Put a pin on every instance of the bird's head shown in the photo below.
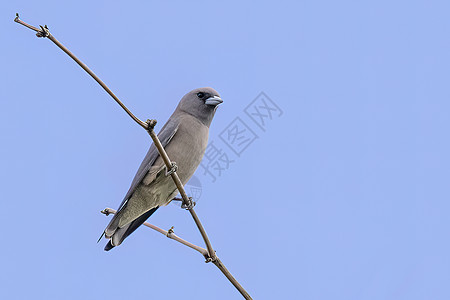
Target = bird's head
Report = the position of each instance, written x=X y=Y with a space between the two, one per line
x=201 y=103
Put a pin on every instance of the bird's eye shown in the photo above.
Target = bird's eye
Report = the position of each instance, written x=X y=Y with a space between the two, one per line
x=200 y=95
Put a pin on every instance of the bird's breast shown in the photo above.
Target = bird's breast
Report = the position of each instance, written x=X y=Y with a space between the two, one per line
x=188 y=146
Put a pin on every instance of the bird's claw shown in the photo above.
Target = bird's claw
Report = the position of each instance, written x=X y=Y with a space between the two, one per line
x=173 y=169
x=189 y=205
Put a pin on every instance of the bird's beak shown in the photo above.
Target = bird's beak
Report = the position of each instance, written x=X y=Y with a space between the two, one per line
x=214 y=101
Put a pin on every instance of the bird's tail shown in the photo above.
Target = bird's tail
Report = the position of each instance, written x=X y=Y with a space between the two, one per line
x=120 y=234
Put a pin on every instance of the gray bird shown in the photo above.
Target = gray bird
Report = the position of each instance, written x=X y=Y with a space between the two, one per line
x=184 y=137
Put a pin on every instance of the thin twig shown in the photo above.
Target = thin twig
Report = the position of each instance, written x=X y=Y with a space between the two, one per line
x=149 y=126
x=44 y=32
x=170 y=234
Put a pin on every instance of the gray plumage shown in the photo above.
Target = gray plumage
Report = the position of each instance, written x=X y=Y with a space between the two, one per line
x=184 y=137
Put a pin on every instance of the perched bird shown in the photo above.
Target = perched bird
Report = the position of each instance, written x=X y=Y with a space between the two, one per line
x=184 y=137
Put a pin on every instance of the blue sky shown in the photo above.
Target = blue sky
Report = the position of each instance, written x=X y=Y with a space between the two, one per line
x=342 y=194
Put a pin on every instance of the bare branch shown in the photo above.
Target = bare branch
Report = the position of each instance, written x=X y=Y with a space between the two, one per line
x=149 y=126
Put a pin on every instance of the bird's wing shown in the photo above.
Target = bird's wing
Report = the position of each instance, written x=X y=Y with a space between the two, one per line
x=165 y=136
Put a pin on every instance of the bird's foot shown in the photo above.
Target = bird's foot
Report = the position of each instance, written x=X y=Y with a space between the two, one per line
x=189 y=205
x=173 y=169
